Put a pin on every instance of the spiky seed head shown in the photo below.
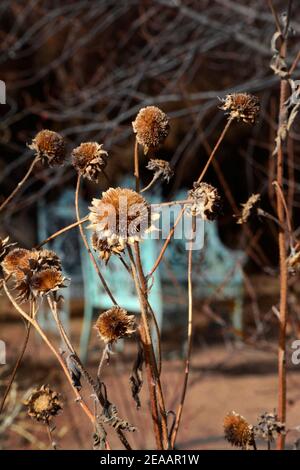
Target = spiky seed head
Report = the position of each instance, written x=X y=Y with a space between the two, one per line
x=205 y=201
x=43 y=404
x=237 y=430
x=241 y=106
x=249 y=208
x=114 y=324
x=161 y=169
x=104 y=249
x=49 y=147
x=151 y=127
x=16 y=261
x=89 y=159
x=121 y=216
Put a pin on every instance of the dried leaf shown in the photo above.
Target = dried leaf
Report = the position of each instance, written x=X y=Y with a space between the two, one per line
x=136 y=378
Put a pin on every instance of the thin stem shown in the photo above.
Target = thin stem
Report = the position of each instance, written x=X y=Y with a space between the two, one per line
x=287 y=215
x=146 y=341
x=154 y=179
x=84 y=239
x=34 y=323
x=136 y=166
x=101 y=363
x=17 y=364
x=49 y=433
x=20 y=184
x=215 y=149
x=284 y=87
x=189 y=343
x=62 y=230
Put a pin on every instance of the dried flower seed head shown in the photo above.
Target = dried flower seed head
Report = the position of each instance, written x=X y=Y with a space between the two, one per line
x=49 y=147
x=104 y=249
x=43 y=404
x=237 y=431
x=44 y=259
x=114 y=324
x=293 y=261
x=241 y=106
x=38 y=284
x=249 y=208
x=121 y=216
x=205 y=201
x=151 y=127
x=161 y=168
x=269 y=427
x=16 y=261
x=89 y=159
x=5 y=246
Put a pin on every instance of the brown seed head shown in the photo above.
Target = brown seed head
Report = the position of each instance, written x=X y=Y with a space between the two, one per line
x=114 y=324
x=104 y=249
x=49 y=147
x=121 y=215
x=43 y=404
x=16 y=261
x=205 y=200
x=151 y=127
x=161 y=169
x=237 y=431
x=269 y=427
x=89 y=159
x=241 y=106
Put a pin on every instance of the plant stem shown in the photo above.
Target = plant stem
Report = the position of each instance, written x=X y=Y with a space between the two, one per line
x=84 y=239
x=62 y=230
x=136 y=166
x=20 y=184
x=189 y=345
x=215 y=149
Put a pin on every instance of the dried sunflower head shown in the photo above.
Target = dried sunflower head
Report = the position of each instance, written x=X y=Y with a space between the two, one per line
x=121 y=216
x=205 y=201
x=5 y=246
x=104 y=249
x=241 y=106
x=114 y=324
x=89 y=159
x=40 y=283
x=151 y=127
x=43 y=404
x=44 y=259
x=49 y=147
x=237 y=430
x=16 y=261
x=249 y=208
x=161 y=169
x=268 y=427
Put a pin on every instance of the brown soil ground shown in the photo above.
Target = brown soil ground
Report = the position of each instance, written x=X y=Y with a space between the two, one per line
x=223 y=378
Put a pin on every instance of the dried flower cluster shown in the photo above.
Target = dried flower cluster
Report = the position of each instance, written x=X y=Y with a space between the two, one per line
x=105 y=249
x=205 y=201
x=43 y=404
x=114 y=324
x=269 y=427
x=151 y=127
x=49 y=147
x=238 y=431
x=121 y=216
x=36 y=272
x=241 y=106
x=161 y=169
x=249 y=208
x=89 y=159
